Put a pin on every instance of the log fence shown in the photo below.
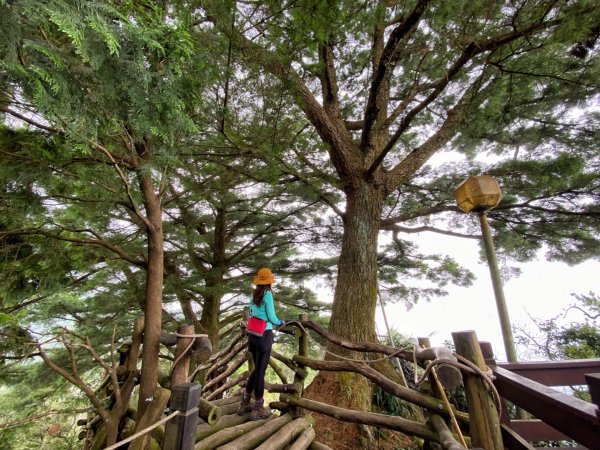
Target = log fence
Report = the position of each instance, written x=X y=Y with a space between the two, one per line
x=204 y=417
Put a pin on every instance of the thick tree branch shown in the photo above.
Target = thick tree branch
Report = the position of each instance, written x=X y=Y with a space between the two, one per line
x=328 y=78
x=343 y=151
x=95 y=242
x=389 y=222
x=376 y=111
x=468 y=53
x=28 y=120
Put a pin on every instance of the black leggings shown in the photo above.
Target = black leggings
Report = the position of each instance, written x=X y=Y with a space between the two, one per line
x=260 y=347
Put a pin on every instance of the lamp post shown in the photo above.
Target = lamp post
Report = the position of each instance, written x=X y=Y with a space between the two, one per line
x=480 y=194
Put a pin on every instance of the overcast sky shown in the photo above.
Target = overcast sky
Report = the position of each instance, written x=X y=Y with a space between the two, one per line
x=543 y=290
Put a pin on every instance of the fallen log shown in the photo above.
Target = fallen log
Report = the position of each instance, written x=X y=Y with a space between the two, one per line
x=204 y=430
x=304 y=440
x=285 y=435
x=366 y=418
x=255 y=437
x=410 y=395
x=229 y=434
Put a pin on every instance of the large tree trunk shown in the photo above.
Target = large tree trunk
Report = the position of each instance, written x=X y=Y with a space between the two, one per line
x=353 y=313
x=154 y=288
x=355 y=300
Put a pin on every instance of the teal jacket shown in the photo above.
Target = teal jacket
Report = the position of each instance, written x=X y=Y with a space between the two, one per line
x=266 y=311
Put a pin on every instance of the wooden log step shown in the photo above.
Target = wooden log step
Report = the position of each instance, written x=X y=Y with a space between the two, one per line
x=230 y=408
x=227 y=435
x=285 y=435
x=304 y=440
x=227 y=400
x=204 y=430
x=314 y=445
x=254 y=438
x=209 y=412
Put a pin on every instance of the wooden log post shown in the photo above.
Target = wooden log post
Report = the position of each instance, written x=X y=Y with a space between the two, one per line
x=593 y=382
x=180 y=432
x=490 y=360
x=300 y=376
x=449 y=375
x=151 y=415
x=484 y=422
x=181 y=366
x=208 y=411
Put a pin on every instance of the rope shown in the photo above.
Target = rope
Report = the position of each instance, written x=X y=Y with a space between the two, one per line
x=487 y=378
x=142 y=432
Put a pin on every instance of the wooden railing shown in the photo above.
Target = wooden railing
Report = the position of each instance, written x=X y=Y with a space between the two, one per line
x=556 y=416
x=485 y=424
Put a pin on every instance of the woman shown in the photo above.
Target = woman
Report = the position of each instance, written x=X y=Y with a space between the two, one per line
x=261 y=306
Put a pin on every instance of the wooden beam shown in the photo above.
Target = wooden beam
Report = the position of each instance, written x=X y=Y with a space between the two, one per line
x=555 y=373
x=573 y=417
x=366 y=418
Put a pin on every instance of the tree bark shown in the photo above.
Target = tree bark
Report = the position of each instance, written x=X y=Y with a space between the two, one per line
x=154 y=287
x=355 y=298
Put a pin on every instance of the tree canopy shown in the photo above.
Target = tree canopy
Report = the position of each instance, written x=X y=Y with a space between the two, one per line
x=154 y=155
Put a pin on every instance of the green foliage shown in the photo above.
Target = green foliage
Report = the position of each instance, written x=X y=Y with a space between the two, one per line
x=573 y=340
x=97 y=95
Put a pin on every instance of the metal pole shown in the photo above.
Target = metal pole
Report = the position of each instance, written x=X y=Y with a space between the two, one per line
x=507 y=336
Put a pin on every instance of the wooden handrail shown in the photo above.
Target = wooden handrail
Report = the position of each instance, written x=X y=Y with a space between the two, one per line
x=569 y=415
x=570 y=372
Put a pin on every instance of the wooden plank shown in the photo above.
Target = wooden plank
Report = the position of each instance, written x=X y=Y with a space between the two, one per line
x=593 y=382
x=555 y=373
x=536 y=430
x=513 y=441
x=571 y=416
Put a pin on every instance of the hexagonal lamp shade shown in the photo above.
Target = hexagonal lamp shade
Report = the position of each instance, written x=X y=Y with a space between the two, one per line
x=478 y=193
